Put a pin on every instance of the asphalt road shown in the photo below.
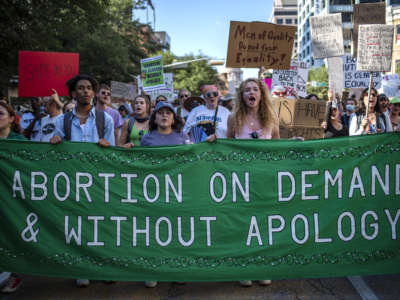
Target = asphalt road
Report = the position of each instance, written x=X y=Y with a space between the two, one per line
x=368 y=288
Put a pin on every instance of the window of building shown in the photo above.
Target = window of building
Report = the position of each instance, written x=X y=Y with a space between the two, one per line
x=369 y=1
x=279 y=21
x=288 y=21
x=304 y=53
x=323 y=4
x=308 y=36
x=295 y=21
x=346 y=2
x=312 y=3
x=346 y=17
x=285 y=13
x=392 y=2
x=307 y=9
x=308 y=50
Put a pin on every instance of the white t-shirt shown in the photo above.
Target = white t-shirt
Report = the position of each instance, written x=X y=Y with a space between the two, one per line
x=202 y=116
x=26 y=120
x=47 y=128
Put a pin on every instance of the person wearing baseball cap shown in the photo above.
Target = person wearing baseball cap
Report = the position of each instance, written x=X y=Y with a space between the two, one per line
x=165 y=127
x=394 y=113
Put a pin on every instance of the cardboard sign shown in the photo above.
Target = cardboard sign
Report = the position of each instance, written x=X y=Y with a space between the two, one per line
x=123 y=90
x=355 y=79
x=39 y=72
x=335 y=73
x=367 y=13
x=300 y=117
x=294 y=80
x=152 y=68
x=259 y=44
x=375 y=44
x=327 y=36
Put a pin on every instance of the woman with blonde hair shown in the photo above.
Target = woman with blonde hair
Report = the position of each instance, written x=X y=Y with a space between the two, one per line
x=254 y=116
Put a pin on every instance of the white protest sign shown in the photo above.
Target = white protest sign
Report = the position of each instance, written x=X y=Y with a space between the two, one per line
x=335 y=72
x=375 y=44
x=293 y=80
x=391 y=85
x=357 y=79
x=327 y=36
x=167 y=90
x=123 y=90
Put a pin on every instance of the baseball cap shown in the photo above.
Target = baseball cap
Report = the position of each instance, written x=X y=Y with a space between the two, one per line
x=395 y=100
x=163 y=104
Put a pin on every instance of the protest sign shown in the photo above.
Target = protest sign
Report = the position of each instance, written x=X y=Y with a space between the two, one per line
x=300 y=117
x=294 y=80
x=390 y=85
x=335 y=73
x=358 y=79
x=259 y=44
x=367 y=13
x=152 y=68
x=375 y=44
x=230 y=210
x=327 y=36
x=167 y=90
x=39 y=72
x=123 y=90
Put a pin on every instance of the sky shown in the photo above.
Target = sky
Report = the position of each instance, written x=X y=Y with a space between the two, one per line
x=203 y=26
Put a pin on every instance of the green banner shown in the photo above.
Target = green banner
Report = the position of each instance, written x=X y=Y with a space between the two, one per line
x=152 y=68
x=230 y=210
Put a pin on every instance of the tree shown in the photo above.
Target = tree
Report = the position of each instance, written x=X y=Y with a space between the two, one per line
x=101 y=31
x=319 y=75
x=194 y=75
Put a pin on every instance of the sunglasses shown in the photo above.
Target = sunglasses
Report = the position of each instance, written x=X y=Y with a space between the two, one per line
x=211 y=94
x=372 y=94
x=383 y=99
x=183 y=96
x=106 y=93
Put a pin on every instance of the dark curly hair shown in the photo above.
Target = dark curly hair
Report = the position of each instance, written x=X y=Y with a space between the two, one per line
x=176 y=126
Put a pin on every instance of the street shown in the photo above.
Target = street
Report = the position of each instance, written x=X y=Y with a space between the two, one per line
x=370 y=287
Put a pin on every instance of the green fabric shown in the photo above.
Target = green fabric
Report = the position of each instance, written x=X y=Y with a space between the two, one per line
x=254 y=230
x=135 y=135
x=16 y=136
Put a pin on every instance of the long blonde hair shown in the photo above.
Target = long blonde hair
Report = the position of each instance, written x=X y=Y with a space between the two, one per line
x=266 y=113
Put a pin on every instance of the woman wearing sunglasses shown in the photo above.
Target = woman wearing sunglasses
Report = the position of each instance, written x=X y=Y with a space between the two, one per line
x=254 y=116
x=376 y=122
x=137 y=126
x=211 y=117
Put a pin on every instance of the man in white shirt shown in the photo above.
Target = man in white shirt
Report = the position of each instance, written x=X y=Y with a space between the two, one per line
x=53 y=107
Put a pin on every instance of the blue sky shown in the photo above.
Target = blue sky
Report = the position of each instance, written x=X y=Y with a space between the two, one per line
x=203 y=25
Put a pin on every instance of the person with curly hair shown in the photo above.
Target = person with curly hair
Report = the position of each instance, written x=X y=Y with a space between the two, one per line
x=254 y=116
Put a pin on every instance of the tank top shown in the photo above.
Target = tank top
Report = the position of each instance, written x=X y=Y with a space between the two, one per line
x=246 y=133
x=136 y=135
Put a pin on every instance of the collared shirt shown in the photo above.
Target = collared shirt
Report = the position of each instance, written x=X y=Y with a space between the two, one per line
x=87 y=132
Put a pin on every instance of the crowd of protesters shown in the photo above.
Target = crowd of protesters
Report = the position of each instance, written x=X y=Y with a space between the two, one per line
x=89 y=117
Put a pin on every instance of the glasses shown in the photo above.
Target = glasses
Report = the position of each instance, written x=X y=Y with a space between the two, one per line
x=372 y=94
x=183 y=96
x=106 y=93
x=383 y=99
x=211 y=94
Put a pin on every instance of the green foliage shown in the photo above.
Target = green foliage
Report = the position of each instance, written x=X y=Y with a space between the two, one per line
x=318 y=75
x=194 y=75
x=101 y=31
x=398 y=69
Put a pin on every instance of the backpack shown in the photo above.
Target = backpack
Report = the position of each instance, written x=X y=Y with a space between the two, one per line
x=99 y=124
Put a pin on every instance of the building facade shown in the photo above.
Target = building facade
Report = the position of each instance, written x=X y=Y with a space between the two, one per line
x=284 y=12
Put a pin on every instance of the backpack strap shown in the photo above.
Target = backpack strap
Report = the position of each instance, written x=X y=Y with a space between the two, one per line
x=131 y=122
x=67 y=125
x=100 y=123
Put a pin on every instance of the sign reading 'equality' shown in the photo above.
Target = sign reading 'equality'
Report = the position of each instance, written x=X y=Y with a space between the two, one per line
x=228 y=211
x=259 y=44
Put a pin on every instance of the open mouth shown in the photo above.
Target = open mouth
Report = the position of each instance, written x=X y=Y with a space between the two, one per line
x=252 y=99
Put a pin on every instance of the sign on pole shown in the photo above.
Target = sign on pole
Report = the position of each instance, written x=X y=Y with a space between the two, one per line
x=367 y=13
x=327 y=36
x=357 y=79
x=294 y=80
x=375 y=44
x=259 y=44
x=167 y=90
x=152 y=68
x=39 y=72
x=123 y=90
x=335 y=72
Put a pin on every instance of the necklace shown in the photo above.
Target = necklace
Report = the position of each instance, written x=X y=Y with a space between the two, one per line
x=141 y=120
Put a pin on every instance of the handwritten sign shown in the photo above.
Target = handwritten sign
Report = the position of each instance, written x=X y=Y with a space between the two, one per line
x=167 y=90
x=259 y=44
x=375 y=44
x=152 y=68
x=335 y=72
x=39 y=72
x=367 y=13
x=123 y=90
x=327 y=36
x=357 y=79
x=391 y=85
x=300 y=117
x=294 y=79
